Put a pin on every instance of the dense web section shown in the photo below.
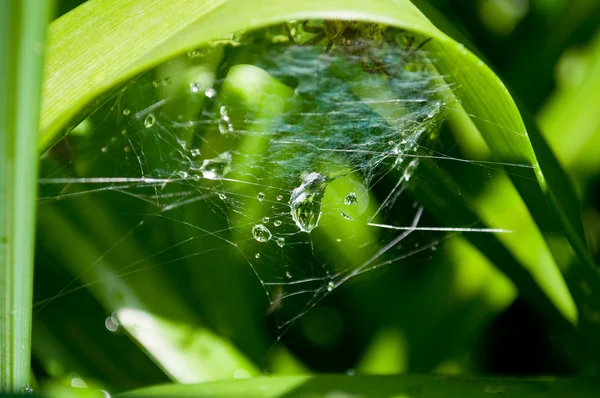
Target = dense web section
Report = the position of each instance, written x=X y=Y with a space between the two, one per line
x=296 y=146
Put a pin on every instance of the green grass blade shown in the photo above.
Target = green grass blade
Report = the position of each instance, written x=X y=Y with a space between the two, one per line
x=429 y=386
x=22 y=34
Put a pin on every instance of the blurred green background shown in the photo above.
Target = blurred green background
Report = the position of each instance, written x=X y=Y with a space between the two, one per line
x=454 y=314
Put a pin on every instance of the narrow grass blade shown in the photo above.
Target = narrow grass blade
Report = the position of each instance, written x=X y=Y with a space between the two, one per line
x=22 y=35
x=429 y=386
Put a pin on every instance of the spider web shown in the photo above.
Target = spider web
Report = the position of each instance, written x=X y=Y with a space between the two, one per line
x=298 y=158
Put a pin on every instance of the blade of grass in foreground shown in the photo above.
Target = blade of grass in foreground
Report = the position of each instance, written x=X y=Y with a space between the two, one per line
x=429 y=386
x=22 y=34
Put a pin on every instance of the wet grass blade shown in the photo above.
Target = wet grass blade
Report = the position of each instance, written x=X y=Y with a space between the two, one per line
x=22 y=35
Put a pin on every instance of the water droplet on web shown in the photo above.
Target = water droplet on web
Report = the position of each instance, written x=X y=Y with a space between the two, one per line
x=288 y=275
x=195 y=177
x=222 y=196
x=338 y=240
x=195 y=87
x=111 y=323
x=216 y=168
x=127 y=149
x=241 y=374
x=261 y=233
x=260 y=196
x=126 y=111
x=195 y=152
x=279 y=197
x=305 y=201
x=277 y=223
x=155 y=84
x=280 y=242
x=76 y=382
x=26 y=390
x=257 y=255
x=410 y=169
x=330 y=286
x=350 y=199
x=183 y=174
x=265 y=220
x=210 y=92
x=123 y=131
x=104 y=149
x=346 y=216
x=149 y=121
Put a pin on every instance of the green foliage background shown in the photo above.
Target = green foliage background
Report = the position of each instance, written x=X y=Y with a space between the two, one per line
x=457 y=314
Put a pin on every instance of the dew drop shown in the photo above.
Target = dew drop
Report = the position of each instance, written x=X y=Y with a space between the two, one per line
x=410 y=169
x=210 y=92
x=123 y=131
x=127 y=149
x=195 y=177
x=265 y=220
x=149 y=121
x=330 y=286
x=305 y=201
x=126 y=111
x=76 y=382
x=288 y=275
x=222 y=196
x=261 y=233
x=111 y=324
x=195 y=87
x=216 y=168
x=195 y=152
x=350 y=199
x=104 y=149
x=183 y=174
x=280 y=242
x=257 y=255
x=260 y=196
x=241 y=374
x=26 y=390
x=155 y=84
x=277 y=223
x=346 y=216
x=279 y=197
x=338 y=240
x=194 y=54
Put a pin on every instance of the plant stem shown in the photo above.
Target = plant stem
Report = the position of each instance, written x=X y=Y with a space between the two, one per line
x=22 y=36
